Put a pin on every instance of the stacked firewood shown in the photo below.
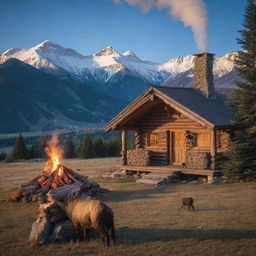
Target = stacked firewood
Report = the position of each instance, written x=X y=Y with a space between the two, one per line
x=198 y=160
x=140 y=157
x=37 y=188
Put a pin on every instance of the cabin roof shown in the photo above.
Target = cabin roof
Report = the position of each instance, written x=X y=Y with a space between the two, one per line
x=210 y=112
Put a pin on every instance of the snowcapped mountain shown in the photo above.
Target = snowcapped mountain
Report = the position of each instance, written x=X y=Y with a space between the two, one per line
x=56 y=87
x=118 y=74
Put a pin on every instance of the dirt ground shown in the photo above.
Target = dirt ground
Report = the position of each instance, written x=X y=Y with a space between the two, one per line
x=147 y=218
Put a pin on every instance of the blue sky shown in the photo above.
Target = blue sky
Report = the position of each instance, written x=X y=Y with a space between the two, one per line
x=90 y=25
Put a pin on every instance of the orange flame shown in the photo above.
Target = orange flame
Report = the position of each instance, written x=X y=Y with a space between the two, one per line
x=54 y=152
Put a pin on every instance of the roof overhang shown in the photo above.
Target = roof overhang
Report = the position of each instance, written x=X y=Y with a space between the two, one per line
x=151 y=94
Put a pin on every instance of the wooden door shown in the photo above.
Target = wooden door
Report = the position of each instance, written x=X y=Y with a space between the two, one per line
x=178 y=148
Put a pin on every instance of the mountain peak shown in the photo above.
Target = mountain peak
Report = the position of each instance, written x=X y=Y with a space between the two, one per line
x=107 y=51
x=129 y=53
x=46 y=43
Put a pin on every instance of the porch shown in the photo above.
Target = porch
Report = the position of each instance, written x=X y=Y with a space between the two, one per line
x=210 y=174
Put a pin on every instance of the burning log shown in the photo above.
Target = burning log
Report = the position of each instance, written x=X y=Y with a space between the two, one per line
x=55 y=178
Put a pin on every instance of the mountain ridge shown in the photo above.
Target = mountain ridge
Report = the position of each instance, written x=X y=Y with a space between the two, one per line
x=32 y=100
x=100 y=67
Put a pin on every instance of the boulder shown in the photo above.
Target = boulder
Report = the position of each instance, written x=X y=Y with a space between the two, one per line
x=63 y=231
x=40 y=231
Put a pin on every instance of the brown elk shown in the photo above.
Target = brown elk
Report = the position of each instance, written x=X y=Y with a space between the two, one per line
x=86 y=214
x=188 y=202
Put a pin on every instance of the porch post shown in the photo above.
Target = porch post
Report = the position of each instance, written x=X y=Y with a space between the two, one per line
x=213 y=149
x=124 y=147
x=139 y=139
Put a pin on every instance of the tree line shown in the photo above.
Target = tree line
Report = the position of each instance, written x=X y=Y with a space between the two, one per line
x=89 y=147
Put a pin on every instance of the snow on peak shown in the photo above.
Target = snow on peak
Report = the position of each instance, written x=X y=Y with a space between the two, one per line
x=179 y=64
x=49 y=46
x=46 y=45
x=129 y=53
x=108 y=51
x=102 y=65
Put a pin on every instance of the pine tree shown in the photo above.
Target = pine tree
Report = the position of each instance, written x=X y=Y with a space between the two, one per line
x=99 y=147
x=2 y=156
x=20 y=150
x=113 y=146
x=86 y=147
x=69 y=149
x=35 y=151
x=241 y=154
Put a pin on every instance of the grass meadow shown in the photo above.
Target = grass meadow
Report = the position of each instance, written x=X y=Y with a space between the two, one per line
x=147 y=218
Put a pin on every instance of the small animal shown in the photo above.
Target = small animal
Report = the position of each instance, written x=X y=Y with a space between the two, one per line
x=86 y=214
x=187 y=202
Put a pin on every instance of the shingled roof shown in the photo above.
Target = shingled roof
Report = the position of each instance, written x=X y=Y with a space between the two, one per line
x=214 y=110
x=211 y=112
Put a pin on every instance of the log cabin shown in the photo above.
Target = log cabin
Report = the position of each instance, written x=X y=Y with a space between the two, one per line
x=177 y=128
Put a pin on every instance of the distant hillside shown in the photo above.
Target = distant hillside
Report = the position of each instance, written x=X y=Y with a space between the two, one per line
x=32 y=100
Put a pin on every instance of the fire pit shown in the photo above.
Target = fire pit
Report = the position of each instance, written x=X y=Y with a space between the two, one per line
x=56 y=180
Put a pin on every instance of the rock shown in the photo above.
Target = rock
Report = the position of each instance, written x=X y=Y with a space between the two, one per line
x=63 y=231
x=203 y=179
x=116 y=175
x=106 y=176
x=149 y=181
x=40 y=230
x=125 y=172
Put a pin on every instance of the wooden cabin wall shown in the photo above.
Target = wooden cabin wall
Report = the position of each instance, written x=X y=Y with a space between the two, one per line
x=159 y=124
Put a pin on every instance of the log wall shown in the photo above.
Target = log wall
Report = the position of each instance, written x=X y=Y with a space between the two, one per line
x=156 y=127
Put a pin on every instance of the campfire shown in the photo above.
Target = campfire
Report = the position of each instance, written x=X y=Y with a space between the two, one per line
x=56 y=180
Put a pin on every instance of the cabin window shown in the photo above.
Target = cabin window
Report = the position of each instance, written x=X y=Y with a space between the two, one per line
x=204 y=140
x=153 y=139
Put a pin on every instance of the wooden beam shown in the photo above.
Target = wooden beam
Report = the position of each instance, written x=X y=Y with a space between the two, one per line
x=168 y=143
x=213 y=149
x=124 y=147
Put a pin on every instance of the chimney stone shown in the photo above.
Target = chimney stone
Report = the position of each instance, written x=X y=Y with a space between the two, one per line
x=203 y=75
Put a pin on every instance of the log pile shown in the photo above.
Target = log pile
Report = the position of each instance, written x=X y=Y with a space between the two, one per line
x=198 y=160
x=139 y=157
x=39 y=188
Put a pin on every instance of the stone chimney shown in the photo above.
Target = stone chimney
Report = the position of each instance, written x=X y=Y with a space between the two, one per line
x=203 y=75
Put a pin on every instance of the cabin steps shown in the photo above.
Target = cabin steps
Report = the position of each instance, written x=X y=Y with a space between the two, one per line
x=157 y=178
x=149 y=181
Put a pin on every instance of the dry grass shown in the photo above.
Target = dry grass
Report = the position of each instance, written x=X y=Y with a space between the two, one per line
x=148 y=221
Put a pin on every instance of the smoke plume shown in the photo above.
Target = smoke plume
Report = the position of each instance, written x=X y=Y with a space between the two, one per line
x=191 y=12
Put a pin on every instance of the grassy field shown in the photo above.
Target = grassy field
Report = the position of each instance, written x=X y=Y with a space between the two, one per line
x=147 y=218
